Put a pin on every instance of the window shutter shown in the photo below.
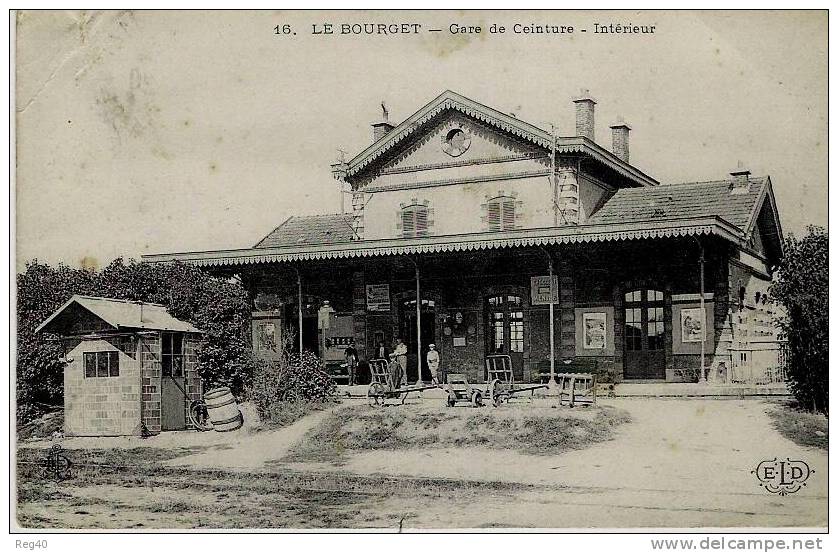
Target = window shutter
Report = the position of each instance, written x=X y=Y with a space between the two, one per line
x=421 y=221
x=508 y=219
x=408 y=222
x=493 y=215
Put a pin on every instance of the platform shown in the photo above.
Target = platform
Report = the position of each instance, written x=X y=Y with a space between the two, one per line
x=627 y=389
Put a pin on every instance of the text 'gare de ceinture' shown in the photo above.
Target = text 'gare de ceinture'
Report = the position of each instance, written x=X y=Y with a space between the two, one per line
x=395 y=29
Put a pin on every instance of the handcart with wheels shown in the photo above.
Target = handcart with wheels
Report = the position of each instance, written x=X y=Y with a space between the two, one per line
x=501 y=380
x=382 y=388
x=460 y=391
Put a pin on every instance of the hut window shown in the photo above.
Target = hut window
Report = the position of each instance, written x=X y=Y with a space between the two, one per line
x=100 y=364
x=172 y=360
x=500 y=213
x=414 y=220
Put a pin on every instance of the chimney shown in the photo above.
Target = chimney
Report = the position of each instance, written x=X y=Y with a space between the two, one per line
x=620 y=139
x=741 y=181
x=585 y=114
x=383 y=126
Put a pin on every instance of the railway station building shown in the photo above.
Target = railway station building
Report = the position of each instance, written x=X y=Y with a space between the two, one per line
x=467 y=223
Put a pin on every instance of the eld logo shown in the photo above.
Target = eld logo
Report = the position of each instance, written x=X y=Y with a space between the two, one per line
x=56 y=465
x=782 y=477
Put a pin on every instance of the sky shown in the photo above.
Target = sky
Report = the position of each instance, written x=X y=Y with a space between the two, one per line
x=150 y=132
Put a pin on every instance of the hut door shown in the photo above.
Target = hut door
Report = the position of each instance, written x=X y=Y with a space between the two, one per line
x=644 y=335
x=173 y=385
x=506 y=330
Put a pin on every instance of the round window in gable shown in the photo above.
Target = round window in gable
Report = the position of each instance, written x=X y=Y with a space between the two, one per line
x=455 y=142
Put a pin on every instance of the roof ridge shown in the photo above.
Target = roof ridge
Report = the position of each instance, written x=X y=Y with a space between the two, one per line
x=135 y=302
x=312 y=216
x=754 y=179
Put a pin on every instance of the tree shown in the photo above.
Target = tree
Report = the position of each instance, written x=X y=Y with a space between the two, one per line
x=802 y=286
x=219 y=308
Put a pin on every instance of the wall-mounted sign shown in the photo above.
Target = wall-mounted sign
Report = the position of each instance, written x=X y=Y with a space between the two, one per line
x=540 y=290
x=378 y=297
x=459 y=341
x=692 y=325
x=594 y=330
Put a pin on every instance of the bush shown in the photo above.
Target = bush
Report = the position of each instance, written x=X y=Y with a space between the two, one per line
x=802 y=286
x=288 y=384
x=220 y=308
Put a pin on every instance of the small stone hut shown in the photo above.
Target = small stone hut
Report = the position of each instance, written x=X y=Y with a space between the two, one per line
x=131 y=368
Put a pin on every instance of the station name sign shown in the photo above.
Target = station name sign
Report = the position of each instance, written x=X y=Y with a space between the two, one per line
x=540 y=290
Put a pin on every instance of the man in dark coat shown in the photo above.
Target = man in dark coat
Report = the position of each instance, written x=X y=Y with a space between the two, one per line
x=395 y=373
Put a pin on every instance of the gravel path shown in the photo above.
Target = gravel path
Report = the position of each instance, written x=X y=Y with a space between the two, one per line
x=252 y=451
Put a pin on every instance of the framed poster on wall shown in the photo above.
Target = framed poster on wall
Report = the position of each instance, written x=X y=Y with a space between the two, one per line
x=594 y=330
x=692 y=325
x=378 y=297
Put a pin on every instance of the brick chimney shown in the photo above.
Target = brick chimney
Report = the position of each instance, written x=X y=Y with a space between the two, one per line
x=620 y=139
x=740 y=179
x=382 y=126
x=585 y=114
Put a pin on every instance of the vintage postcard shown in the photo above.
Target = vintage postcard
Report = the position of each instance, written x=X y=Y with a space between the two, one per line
x=410 y=271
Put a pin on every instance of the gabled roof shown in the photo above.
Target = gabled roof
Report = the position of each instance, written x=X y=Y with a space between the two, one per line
x=310 y=229
x=121 y=314
x=694 y=199
x=449 y=100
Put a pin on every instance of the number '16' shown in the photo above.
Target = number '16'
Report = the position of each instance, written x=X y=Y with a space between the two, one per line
x=282 y=29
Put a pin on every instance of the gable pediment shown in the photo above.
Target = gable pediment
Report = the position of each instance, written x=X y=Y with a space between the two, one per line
x=454 y=140
x=424 y=121
x=394 y=143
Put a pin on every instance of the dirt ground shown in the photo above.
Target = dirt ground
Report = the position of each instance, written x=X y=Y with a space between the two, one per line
x=679 y=463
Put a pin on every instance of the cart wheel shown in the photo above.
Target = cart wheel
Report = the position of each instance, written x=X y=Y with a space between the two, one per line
x=494 y=391
x=199 y=417
x=476 y=399
x=451 y=400
x=500 y=399
x=375 y=394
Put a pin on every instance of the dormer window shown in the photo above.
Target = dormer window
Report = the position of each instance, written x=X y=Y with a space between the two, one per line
x=501 y=213
x=415 y=220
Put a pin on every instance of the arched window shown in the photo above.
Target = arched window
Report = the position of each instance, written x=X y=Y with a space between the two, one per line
x=500 y=213
x=415 y=220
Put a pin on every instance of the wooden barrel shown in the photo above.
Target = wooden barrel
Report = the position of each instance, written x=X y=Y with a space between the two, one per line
x=222 y=410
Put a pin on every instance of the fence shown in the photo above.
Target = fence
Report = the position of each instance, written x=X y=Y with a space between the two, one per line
x=759 y=363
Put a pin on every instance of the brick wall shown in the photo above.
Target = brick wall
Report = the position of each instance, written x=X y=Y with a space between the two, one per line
x=101 y=406
x=590 y=276
x=149 y=352
x=194 y=386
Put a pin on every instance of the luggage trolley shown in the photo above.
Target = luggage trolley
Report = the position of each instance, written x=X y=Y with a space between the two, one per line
x=501 y=380
x=382 y=389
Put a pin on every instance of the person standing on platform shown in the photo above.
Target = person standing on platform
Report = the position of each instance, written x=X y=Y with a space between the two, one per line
x=401 y=356
x=433 y=363
x=395 y=374
x=350 y=355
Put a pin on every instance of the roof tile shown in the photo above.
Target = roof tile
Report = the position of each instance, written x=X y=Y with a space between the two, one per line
x=691 y=199
x=310 y=229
